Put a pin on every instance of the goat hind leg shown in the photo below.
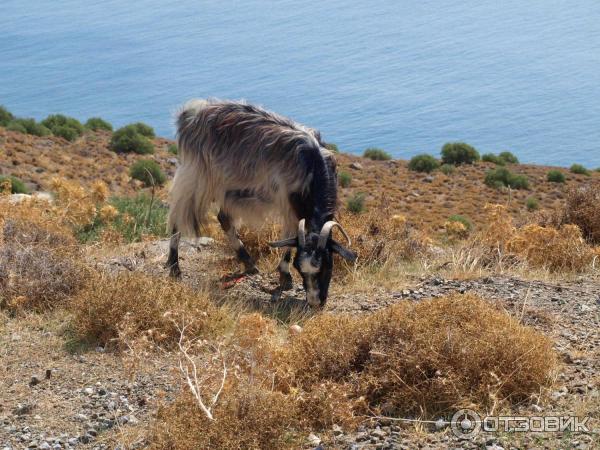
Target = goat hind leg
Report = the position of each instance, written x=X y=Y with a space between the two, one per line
x=236 y=244
x=173 y=259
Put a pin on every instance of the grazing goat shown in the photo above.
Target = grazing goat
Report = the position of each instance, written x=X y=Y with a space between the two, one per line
x=253 y=163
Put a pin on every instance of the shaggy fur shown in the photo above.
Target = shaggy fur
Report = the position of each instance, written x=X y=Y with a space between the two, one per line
x=248 y=162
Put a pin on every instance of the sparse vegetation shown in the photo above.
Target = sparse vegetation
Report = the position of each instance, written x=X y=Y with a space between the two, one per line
x=128 y=139
x=555 y=176
x=148 y=172
x=376 y=154
x=97 y=123
x=502 y=177
x=16 y=185
x=423 y=163
x=579 y=169
x=356 y=203
x=172 y=149
x=345 y=179
x=459 y=153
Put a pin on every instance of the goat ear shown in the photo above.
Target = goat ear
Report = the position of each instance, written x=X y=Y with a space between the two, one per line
x=342 y=251
x=289 y=242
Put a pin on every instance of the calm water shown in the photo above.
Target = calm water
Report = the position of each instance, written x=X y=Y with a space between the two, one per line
x=406 y=76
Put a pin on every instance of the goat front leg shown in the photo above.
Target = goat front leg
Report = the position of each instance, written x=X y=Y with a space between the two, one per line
x=285 y=278
x=236 y=244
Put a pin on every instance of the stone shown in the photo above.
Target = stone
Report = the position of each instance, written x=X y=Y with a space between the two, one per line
x=295 y=329
x=356 y=166
x=34 y=380
x=313 y=439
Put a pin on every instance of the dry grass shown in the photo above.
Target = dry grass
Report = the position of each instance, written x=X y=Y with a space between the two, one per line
x=424 y=359
x=129 y=306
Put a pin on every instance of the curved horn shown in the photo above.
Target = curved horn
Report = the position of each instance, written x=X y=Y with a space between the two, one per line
x=326 y=230
x=301 y=234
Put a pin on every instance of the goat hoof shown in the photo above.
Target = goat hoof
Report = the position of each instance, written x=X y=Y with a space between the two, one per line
x=175 y=273
x=285 y=282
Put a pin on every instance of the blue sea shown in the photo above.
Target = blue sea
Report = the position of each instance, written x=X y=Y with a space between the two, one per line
x=405 y=76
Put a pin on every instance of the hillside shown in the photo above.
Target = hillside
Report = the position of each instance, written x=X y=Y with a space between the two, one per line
x=100 y=349
x=427 y=200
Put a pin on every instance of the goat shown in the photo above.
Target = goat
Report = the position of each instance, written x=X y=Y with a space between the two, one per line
x=253 y=163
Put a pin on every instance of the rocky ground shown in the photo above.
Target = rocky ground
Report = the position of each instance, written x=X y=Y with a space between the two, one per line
x=55 y=395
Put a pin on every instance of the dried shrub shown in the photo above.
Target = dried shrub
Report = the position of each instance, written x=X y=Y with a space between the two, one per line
x=246 y=418
x=39 y=264
x=144 y=307
x=33 y=277
x=554 y=246
x=561 y=249
x=425 y=359
x=582 y=208
x=380 y=236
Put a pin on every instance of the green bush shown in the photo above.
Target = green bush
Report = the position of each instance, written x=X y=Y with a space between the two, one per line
x=137 y=216
x=447 y=169
x=128 y=139
x=345 y=179
x=332 y=148
x=5 y=116
x=65 y=132
x=172 y=149
x=490 y=157
x=30 y=126
x=97 y=123
x=63 y=126
x=356 y=203
x=508 y=158
x=16 y=126
x=579 y=169
x=423 y=163
x=532 y=204
x=501 y=177
x=376 y=154
x=462 y=219
x=148 y=172
x=144 y=130
x=555 y=176
x=459 y=153
x=16 y=185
